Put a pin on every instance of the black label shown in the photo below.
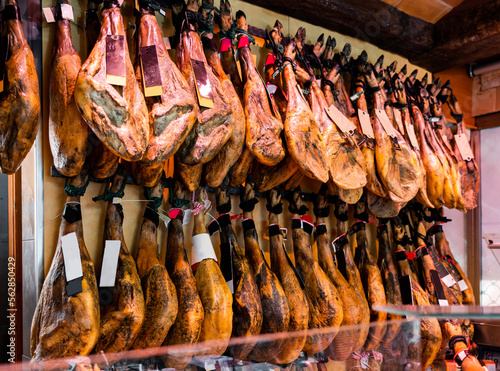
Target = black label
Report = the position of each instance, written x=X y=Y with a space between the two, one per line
x=105 y=295
x=72 y=213
x=226 y=265
x=441 y=269
x=297 y=274
x=248 y=224
x=115 y=59
x=74 y=287
x=438 y=287
x=274 y=229
x=150 y=69
x=213 y=227
x=406 y=293
x=202 y=82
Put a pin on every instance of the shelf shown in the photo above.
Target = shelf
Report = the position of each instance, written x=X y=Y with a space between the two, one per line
x=436 y=311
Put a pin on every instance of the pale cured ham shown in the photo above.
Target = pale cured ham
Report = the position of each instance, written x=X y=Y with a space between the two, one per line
x=119 y=119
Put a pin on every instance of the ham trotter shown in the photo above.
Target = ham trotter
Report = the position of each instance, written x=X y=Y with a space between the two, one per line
x=20 y=100
x=119 y=119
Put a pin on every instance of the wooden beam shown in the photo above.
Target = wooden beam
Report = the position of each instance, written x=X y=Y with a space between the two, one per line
x=465 y=38
x=15 y=264
x=370 y=20
x=488 y=121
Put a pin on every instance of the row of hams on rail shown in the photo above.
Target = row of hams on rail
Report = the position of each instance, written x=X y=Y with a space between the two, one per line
x=359 y=127
x=205 y=301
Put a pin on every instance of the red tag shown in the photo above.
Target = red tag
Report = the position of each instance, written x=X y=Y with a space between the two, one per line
x=242 y=42
x=307 y=218
x=236 y=216
x=411 y=255
x=173 y=213
x=225 y=45
x=271 y=59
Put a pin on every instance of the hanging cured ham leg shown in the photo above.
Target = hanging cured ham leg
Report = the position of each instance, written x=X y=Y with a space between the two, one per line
x=342 y=345
x=429 y=327
x=19 y=101
x=350 y=271
x=216 y=170
x=215 y=124
x=370 y=277
x=295 y=295
x=64 y=325
x=263 y=130
x=325 y=306
x=171 y=114
x=123 y=315
x=303 y=137
x=67 y=131
x=390 y=277
x=187 y=326
x=214 y=292
x=160 y=295
x=247 y=307
x=275 y=309
x=395 y=165
x=120 y=120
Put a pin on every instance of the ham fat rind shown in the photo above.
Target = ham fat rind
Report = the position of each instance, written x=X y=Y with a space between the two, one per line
x=120 y=121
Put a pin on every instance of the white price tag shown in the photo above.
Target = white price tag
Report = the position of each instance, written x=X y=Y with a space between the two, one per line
x=366 y=125
x=463 y=285
x=342 y=122
x=117 y=200
x=166 y=40
x=464 y=146
x=386 y=123
x=210 y=365
x=443 y=303
x=202 y=248
x=110 y=263
x=71 y=256
x=188 y=213
x=449 y=280
x=49 y=15
x=67 y=12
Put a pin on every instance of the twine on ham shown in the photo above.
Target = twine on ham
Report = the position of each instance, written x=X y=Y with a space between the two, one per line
x=377 y=356
x=196 y=206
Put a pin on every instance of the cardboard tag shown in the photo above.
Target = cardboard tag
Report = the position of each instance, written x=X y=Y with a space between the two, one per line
x=203 y=86
x=67 y=12
x=4 y=51
x=115 y=59
x=187 y=217
x=151 y=76
x=410 y=129
x=165 y=219
x=366 y=125
x=406 y=291
x=72 y=263
x=166 y=41
x=386 y=123
x=50 y=14
x=342 y=122
x=464 y=147
x=201 y=249
x=271 y=88
x=109 y=263
x=438 y=288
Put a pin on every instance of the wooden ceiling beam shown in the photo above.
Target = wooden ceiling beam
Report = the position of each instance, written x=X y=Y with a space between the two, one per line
x=370 y=20
x=467 y=37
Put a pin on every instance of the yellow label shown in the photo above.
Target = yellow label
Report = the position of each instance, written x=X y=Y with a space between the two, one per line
x=152 y=91
x=116 y=80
